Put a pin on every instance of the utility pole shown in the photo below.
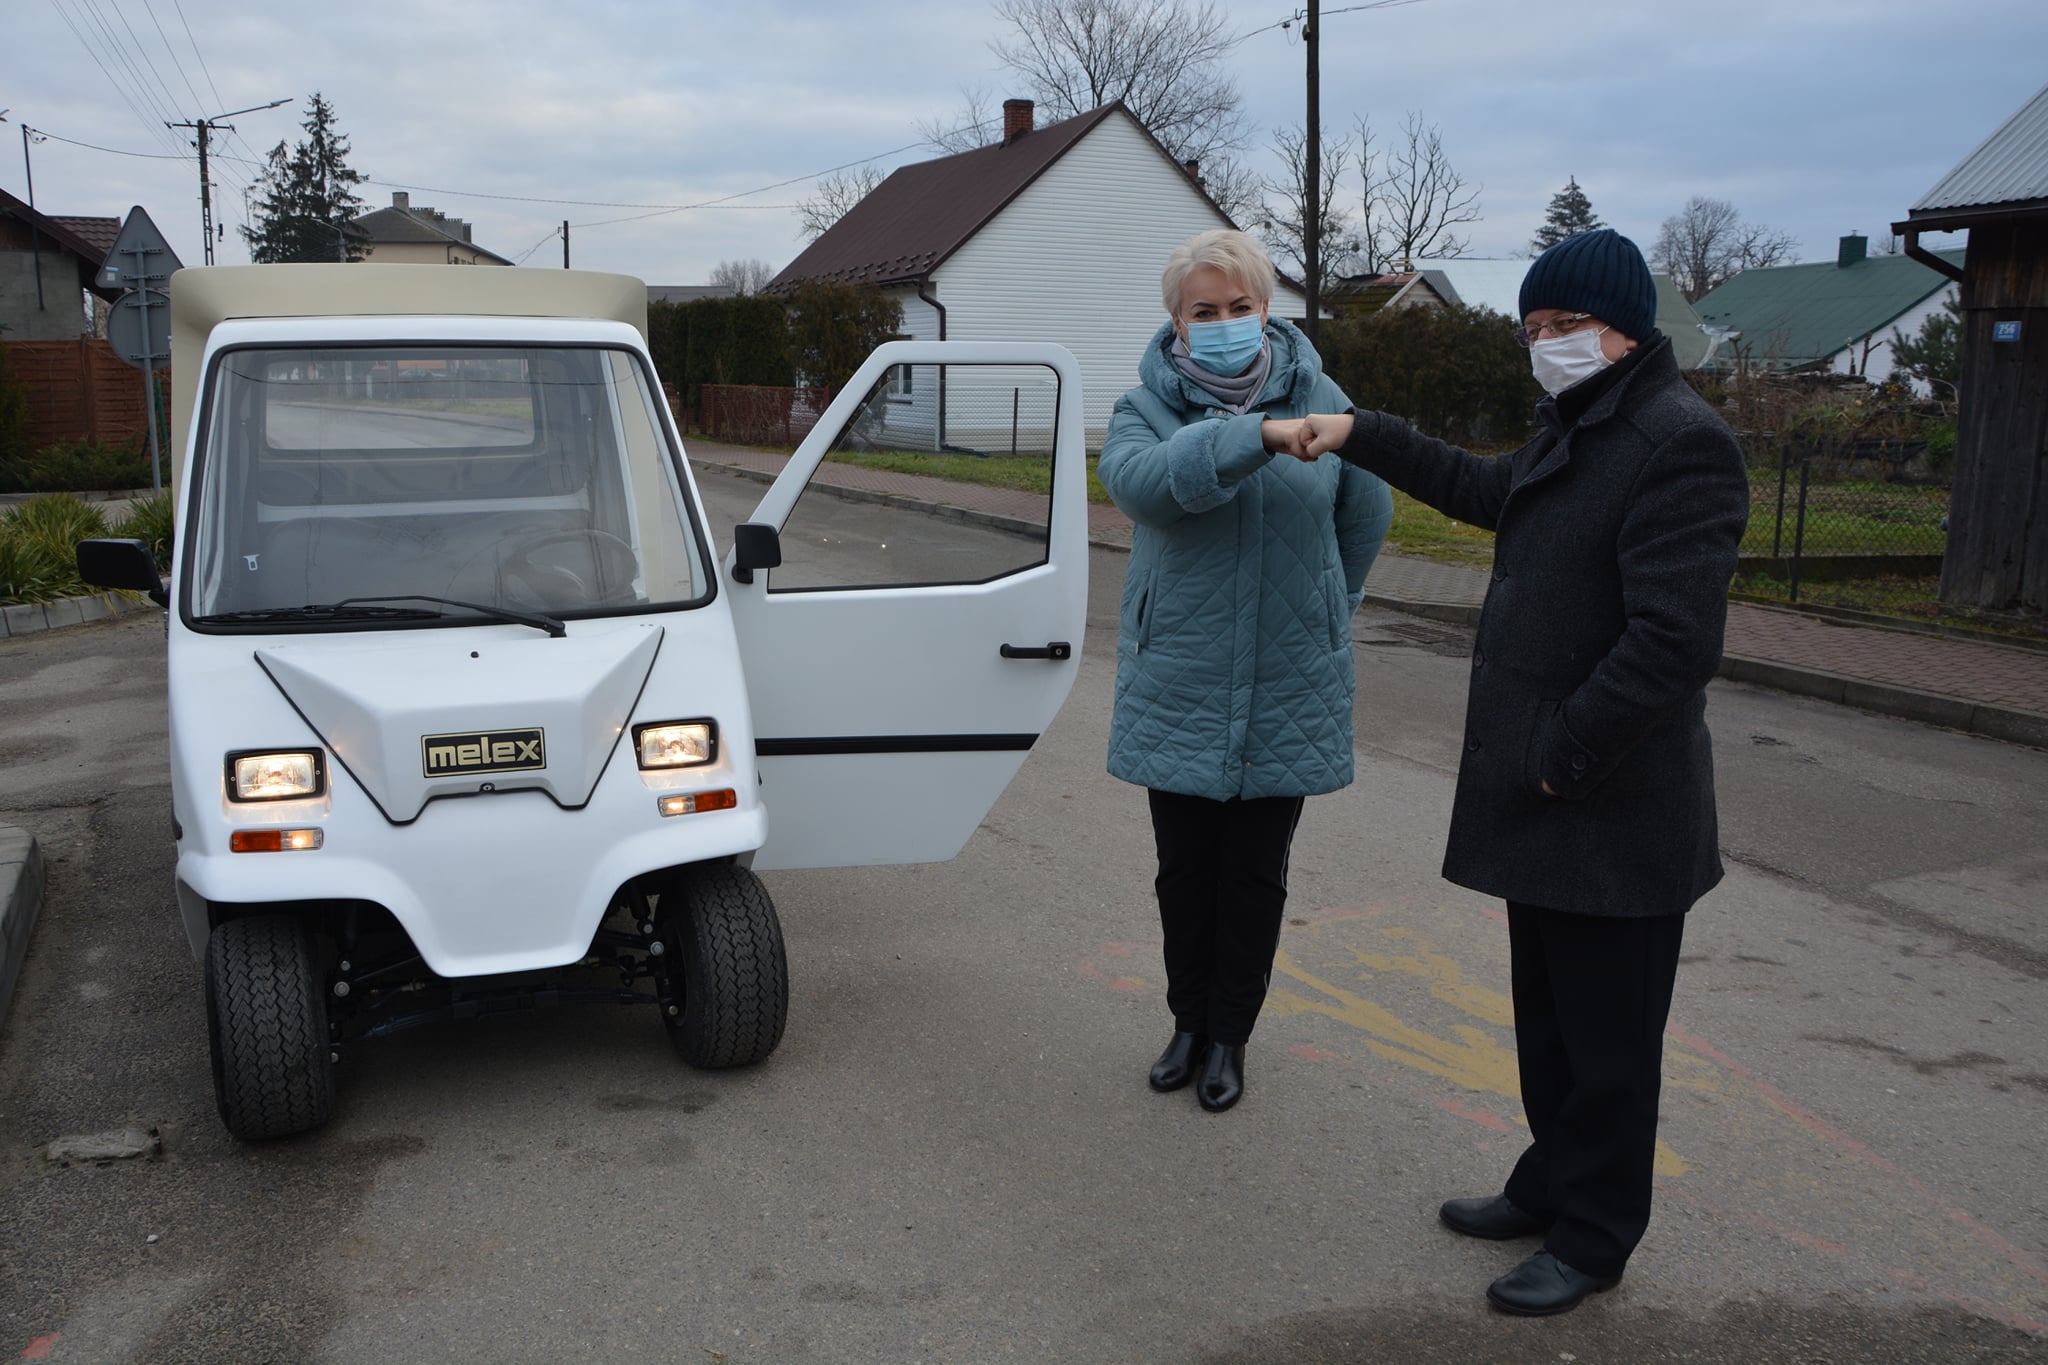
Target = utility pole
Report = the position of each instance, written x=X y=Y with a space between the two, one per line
x=35 y=230
x=1312 y=224
x=204 y=127
x=565 y=244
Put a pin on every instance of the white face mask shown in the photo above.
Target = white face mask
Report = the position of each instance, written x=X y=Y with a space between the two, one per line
x=1560 y=362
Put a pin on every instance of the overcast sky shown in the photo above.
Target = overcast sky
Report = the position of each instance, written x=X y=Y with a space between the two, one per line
x=1815 y=117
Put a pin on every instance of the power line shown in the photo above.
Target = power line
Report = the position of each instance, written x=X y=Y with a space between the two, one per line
x=111 y=151
x=121 y=53
x=80 y=29
x=652 y=209
x=150 y=10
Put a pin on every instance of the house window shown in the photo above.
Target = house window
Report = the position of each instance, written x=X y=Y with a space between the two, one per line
x=902 y=381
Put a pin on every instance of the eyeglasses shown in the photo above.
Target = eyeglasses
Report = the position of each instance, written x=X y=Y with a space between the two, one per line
x=1564 y=324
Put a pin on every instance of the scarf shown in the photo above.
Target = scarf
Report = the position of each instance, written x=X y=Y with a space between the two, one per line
x=1234 y=393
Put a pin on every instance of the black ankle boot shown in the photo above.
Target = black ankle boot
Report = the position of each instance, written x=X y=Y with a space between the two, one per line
x=1176 y=1066
x=1222 y=1083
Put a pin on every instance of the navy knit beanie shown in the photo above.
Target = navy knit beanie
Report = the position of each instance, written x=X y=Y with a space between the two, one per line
x=1599 y=272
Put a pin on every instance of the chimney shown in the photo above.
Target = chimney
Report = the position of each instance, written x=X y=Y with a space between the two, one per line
x=1854 y=247
x=1193 y=168
x=1016 y=120
x=401 y=199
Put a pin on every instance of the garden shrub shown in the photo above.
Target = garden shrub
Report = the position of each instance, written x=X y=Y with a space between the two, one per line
x=78 y=467
x=40 y=539
x=1455 y=373
x=149 y=521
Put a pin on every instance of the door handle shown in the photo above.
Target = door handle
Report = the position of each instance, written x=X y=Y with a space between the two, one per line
x=1058 y=649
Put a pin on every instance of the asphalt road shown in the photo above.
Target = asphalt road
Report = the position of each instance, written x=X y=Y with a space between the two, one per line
x=953 y=1156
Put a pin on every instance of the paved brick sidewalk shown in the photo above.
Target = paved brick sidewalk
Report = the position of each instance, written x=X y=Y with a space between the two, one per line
x=1992 y=689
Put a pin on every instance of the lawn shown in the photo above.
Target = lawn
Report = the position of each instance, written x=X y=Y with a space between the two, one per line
x=1863 y=518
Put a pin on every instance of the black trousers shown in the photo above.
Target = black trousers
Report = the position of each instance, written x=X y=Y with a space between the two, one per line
x=1222 y=888
x=1592 y=995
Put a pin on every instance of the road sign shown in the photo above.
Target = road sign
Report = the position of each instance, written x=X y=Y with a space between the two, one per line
x=139 y=327
x=141 y=257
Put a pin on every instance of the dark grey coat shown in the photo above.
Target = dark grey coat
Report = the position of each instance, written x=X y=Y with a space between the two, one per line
x=1617 y=530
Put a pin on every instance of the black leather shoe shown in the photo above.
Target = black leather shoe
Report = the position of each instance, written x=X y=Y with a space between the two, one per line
x=1176 y=1066
x=1543 y=1285
x=1493 y=1218
x=1222 y=1083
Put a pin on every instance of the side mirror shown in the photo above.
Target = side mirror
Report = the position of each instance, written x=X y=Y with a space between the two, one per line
x=755 y=545
x=121 y=564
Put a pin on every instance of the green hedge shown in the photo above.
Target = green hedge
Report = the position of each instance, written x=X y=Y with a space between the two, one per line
x=742 y=340
x=824 y=329
x=1455 y=373
x=78 y=467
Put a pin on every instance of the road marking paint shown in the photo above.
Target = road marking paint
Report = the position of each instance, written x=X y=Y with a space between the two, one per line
x=40 y=1348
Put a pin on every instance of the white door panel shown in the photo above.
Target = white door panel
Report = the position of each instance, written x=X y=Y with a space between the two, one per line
x=887 y=717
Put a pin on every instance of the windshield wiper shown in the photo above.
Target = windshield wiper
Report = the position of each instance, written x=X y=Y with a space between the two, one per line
x=365 y=609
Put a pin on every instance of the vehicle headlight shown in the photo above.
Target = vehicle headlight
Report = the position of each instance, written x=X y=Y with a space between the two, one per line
x=283 y=776
x=676 y=743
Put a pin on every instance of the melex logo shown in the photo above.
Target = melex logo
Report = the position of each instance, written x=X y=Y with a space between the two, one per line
x=489 y=751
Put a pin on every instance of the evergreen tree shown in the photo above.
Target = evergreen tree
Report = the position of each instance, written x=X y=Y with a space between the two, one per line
x=1934 y=354
x=307 y=202
x=1571 y=213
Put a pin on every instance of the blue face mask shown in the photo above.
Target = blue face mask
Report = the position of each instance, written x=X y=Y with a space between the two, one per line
x=1225 y=348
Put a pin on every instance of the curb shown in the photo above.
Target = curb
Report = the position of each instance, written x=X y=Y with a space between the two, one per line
x=30 y=618
x=21 y=899
x=2006 y=723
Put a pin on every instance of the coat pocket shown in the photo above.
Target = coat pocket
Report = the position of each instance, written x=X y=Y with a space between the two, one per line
x=1542 y=715
x=1334 y=597
x=1145 y=605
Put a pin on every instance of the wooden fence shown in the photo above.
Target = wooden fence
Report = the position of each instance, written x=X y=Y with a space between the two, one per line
x=80 y=390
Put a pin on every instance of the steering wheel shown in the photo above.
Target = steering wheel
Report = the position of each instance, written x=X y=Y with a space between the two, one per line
x=558 y=585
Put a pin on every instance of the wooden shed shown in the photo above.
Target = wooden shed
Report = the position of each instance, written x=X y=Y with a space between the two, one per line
x=1997 y=552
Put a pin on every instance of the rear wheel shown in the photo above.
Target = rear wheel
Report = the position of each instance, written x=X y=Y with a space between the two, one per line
x=266 y=1021
x=720 y=923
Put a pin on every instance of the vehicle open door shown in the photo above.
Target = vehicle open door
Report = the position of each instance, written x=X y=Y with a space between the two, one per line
x=901 y=664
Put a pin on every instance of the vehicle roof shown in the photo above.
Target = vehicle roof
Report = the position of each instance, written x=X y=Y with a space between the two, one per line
x=202 y=299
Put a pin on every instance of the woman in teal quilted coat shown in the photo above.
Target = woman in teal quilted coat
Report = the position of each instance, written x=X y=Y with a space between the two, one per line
x=1233 y=671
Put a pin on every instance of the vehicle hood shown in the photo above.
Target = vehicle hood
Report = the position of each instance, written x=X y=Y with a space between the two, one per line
x=427 y=714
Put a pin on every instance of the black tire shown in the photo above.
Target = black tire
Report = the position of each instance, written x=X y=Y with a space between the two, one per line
x=735 y=977
x=266 y=1021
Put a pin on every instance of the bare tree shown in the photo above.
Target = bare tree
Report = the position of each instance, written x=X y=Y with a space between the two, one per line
x=977 y=124
x=1707 y=241
x=1165 y=59
x=1284 y=212
x=743 y=277
x=1413 y=198
x=836 y=193
x=1233 y=187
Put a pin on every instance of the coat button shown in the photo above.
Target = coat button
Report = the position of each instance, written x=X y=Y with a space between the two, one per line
x=1578 y=763
x=1478 y=658
x=1500 y=575
x=1473 y=746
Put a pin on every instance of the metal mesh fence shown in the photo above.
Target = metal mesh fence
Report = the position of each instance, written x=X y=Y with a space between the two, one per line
x=1829 y=515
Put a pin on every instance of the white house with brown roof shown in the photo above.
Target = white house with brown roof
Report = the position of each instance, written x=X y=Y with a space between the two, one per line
x=405 y=235
x=1055 y=234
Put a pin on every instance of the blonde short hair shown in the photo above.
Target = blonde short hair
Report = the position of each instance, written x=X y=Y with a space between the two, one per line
x=1227 y=250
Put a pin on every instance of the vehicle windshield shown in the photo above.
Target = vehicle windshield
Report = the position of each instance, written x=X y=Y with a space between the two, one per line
x=531 y=480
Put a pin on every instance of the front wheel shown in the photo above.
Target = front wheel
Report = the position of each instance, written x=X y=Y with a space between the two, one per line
x=719 y=921
x=266 y=1023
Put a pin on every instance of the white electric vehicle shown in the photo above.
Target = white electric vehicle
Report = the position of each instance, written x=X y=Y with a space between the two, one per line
x=467 y=713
